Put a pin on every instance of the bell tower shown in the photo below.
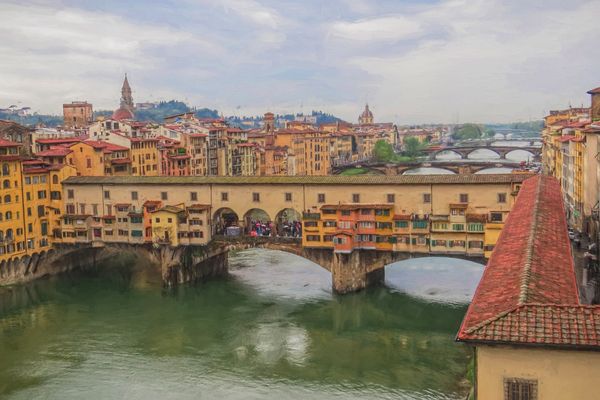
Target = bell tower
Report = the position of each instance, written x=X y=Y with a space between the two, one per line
x=126 y=98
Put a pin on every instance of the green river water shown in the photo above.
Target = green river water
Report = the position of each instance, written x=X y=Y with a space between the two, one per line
x=271 y=330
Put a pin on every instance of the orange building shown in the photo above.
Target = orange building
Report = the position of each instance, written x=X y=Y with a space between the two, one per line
x=78 y=113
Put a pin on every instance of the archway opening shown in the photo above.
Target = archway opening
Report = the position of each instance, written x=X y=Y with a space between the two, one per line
x=225 y=221
x=258 y=222
x=428 y=171
x=445 y=280
x=520 y=155
x=448 y=155
x=483 y=154
x=288 y=223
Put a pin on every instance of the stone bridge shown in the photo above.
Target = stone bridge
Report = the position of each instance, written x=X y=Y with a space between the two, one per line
x=349 y=272
x=458 y=166
x=502 y=151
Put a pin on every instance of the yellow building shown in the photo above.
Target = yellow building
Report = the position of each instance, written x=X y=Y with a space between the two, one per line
x=144 y=156
x=12 y=227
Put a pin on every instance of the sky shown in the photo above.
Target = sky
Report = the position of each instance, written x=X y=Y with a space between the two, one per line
x=413 y=61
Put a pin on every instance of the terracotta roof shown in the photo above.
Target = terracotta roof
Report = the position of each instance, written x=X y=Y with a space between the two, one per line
x=54 y=152
x=307 y=179
x=530 y=271
x=459 y=205
x=151 y=203
x=477 y=217
x=6 y=143
x=108 y=217
x=122 y=204
x=171 y=209
x=199 y=207
x=51 y=141
x=121 y=161
x=405 y=217
x=565 y=138
x=33 y=162
x=35 y=170
x=439 y=217
x=347 y=233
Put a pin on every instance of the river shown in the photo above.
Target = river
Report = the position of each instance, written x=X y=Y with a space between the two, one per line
x=271 y=330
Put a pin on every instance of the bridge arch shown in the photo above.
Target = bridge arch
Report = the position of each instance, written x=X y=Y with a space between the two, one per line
x=223 y=218
x=433 y=167
x=257 y=215
x=487 y=151
x=446 y=152
x=532 y=152
x=286 y=215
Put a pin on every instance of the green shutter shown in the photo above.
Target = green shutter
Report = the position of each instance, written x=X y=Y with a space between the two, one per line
x=433 y=242
x=481 y=244
x=414 y=240
x=427 y=241
x=44 y=228
x=450 y=243
x=469 y=244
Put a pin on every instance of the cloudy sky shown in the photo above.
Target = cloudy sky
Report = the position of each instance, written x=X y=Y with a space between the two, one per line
x=414 y=61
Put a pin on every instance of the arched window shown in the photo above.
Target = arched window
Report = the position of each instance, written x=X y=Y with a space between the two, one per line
x=55 y=179
x=6 y=184
x=5 y=170
x=8 y=215
x=9 y=233
x=7 y=199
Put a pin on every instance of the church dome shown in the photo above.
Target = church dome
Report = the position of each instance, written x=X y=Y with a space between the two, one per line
x=367 y=113
x=122 y=113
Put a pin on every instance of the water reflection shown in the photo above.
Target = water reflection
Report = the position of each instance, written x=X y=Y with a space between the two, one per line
x=483 y=154
x=272 y=330
x=495 y=171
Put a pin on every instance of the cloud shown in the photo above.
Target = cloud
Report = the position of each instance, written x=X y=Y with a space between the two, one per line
x=472 y=60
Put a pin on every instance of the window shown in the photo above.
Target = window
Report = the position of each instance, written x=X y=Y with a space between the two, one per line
x=70 y=209
x=55 y=179
x=288 y=197
x=36 y=180
x=328 y=211
x=28 y=196
x=108 y=210
x=164 y=196
x=328 y=238
x=82 y=206
x=520 y=389
x=224 y=196
x=6 y=184
x=383 y=225
x=41 y=211
x=89 y=163
x=463 y=198
x=366 y=224
x=454 y=211
x=256 y=197
x=193 y=196
x=157 y=220
x=365 y=211
x=134 y=195
x=501 y=197
x=391 y=198
x=29 y=228
x=136 y=220
x=71 y=194
x=321 y=198
x=107 y=194
x=329 y=224
x=137 y=233
x=346 y=213
x=54 y=195
x=458 y=227
x=7 y=199
x=28 y=181
x=496 y=217
x=170 y=220
x=339 y=240
x=475 y=245
x=426 y=198
x=420 y=224
x=310 y=224
x=356 y=198
x=347 y=224
x=385 y=213
x=123 y=232
x=95 y=209
x=401 y=224
x=41 y=194
x=475 y=228
x=313 y=238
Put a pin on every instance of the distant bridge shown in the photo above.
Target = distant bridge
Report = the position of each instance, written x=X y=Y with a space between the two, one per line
x=458 y=167
x=502 y=151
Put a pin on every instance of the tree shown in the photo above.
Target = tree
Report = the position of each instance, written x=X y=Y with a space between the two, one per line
x=467 y=131
x=412 y=147
x=383 y=152
x=489 y=132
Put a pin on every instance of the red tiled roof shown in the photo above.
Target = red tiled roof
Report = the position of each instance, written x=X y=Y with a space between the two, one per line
x=356 y=206
x=565 y=138
x=530 y=270
x=577 y=139
x=459 y=205
x=122 y=204
x=151 y=203
x=6 y=143
x=121 y=161
x=51 y=141
x=404 y=217
x=108 y=217
x=347 y=233
x=577 y=124
x=32 y=162
x=54 y=152
x=199 y=207
x=35 y=170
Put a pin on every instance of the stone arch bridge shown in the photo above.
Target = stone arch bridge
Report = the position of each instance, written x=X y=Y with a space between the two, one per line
x=502 y=151
x=458 y=167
